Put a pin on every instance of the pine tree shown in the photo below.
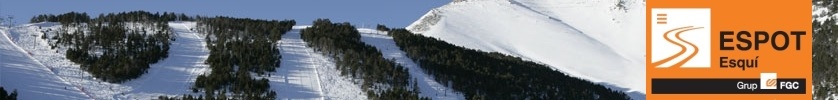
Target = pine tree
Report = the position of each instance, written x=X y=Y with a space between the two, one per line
x=4 y=95
x=355 y=59
x=499 y=76
x=381 y=28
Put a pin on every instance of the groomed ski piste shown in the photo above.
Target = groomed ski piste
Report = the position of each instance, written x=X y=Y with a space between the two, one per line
x=591 y=40
x=176 y=74
x=427 y=86
x=595 y=40
x=40 y=72
x=306 y=74
x=32 y=80
x=171 y=77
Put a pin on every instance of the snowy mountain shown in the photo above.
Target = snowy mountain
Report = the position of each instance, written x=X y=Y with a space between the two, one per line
x=31 y=78
x=597 y=40
x=586 y=39
x=427 y=86
x=172 y=76
x=305 y=74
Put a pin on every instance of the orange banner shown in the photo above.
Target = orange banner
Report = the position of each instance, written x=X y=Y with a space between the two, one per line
x=729 y=49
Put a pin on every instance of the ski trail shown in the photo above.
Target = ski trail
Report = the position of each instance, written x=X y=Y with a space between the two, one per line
x=343 y=87
x=55 y=59
x=297 y=77
x=307 y=74
x=316 y=74
x=175 y=74
x=29 y=55
x=427 y=86
x=171 y=76
x=196 y=72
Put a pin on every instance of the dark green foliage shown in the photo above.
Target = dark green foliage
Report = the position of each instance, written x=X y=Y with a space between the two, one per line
x=482 y=75
x=6 y=95
x=113 y=47
x=75 y=17
x=381 y=28
x=183 y=97
x=239 y=47
x=830 y=5
x=353 y=58
x=247 y=43
x=400 y=93
x=824 y=49
x=824 y=60
x=64 y=19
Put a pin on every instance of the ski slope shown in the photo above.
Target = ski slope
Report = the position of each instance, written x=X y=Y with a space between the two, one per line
x=171 y=76
x=589 y=39
x=305 y=74
x=32 y=80
x=28 y=37
x=427 y=86
x=176 y=74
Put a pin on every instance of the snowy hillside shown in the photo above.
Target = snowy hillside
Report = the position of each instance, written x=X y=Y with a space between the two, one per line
x=32 y=79
x=594 y=40
x=305 y=74
x=171 y=76
x=427 y=86
x=591 y=39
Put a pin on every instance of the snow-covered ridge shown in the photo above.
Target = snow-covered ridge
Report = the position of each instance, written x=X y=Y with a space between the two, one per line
x=591 y=39
x=425 y=22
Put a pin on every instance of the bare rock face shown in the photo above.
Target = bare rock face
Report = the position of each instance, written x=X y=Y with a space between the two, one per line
x=424 y=23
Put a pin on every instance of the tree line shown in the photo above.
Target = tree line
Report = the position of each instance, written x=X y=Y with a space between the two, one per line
x=239 y=48
x=383 y=79
x=77 y=17
x=824 y=60
x=824 y=49
x=116 y=47
x=7 y=95
x=492 y=75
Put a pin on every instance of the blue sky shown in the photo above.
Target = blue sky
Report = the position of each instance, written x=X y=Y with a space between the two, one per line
x=393 y=13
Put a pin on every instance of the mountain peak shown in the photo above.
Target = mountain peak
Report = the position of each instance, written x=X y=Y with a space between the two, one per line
x=580 y=38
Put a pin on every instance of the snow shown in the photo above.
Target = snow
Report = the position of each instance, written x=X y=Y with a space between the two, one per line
x=427 y=86
x=821 y=14
x=28 y=37
x=171 y=76
x=589 y=39
x=175 y=74
x=305 y=74
x=33 y=80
